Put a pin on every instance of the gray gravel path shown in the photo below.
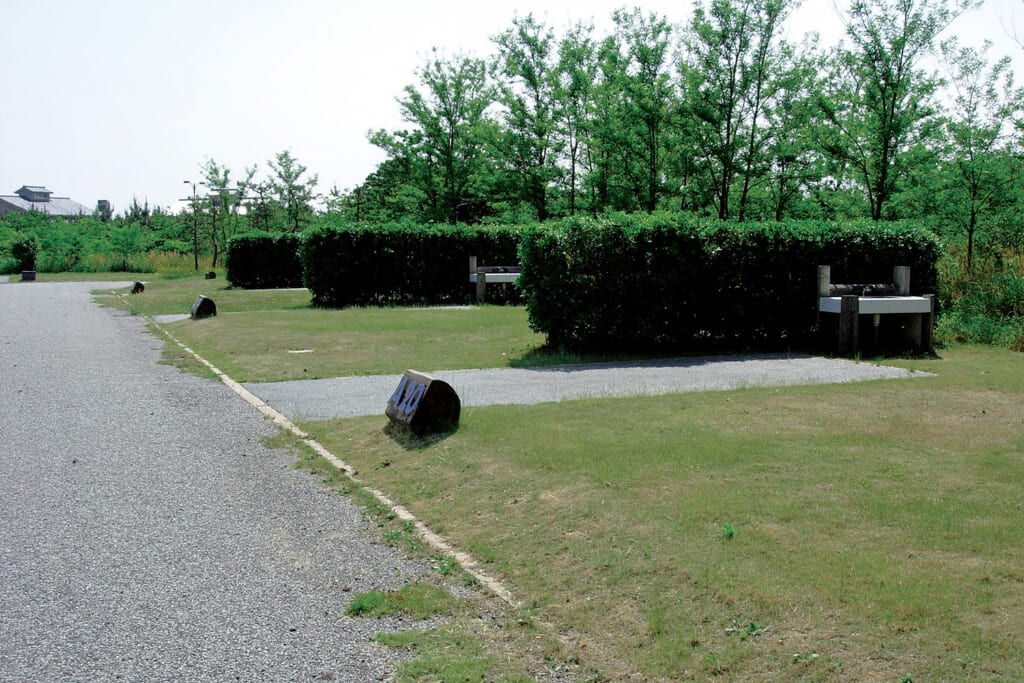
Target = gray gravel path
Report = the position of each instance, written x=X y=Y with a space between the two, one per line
x=353 y=396
x=145 y=532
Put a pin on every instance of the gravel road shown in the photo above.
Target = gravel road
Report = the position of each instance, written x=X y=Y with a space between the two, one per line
x=145 y=532
x=352 y=396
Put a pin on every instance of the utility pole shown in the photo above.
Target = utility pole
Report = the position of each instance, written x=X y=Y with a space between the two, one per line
x=195 y=225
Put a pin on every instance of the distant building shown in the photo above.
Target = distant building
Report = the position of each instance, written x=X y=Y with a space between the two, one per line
x=34 y=198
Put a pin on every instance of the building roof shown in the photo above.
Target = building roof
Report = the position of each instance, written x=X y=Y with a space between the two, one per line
x=54 y=206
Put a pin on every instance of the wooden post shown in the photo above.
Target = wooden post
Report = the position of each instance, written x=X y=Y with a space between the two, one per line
x=481 y=279
x=927 y=322
x=901 y=277
x=849 y=323
x=481 y=287
x=824 y=280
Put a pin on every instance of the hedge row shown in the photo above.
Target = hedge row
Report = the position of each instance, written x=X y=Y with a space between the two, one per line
x=678 y=283
x=264 y=261
x=402 y=265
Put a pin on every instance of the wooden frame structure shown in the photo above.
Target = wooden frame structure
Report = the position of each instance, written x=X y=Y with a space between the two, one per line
x=482 y=275
x=914 y=314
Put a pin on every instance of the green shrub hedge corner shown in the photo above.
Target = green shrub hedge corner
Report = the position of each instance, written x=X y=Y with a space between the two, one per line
x=348 y=264
x=264 y=261
x=674 y=282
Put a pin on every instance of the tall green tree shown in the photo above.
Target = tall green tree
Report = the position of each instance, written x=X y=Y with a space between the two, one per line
x=729 y=79
x=527 y=67
x=636 y=105
x=577 y=71
x=981 y=169
x=445 y=148
x=295 y=194
x=262 y=210
x=878 y=102
x=386 y=195
x=221 y=205
x=795 y=165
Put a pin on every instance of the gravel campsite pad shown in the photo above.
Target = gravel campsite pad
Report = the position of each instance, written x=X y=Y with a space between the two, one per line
x=354 y=396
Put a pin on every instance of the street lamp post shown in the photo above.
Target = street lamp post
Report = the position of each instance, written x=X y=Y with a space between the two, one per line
x=195 y=225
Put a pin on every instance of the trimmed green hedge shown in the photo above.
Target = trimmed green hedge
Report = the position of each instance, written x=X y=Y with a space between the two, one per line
x=350 y=264
x=674 y=282
x=264 y=261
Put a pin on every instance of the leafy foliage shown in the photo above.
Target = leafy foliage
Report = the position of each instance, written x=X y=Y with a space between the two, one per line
x=264 y=261
x=672 y=282
x=348 y=264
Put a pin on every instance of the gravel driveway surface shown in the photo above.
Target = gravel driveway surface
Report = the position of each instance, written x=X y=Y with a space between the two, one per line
x=352 y=396
x=145 y=532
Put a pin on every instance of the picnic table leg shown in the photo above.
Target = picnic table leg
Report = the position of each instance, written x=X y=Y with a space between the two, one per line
x=849 y=325
x=927 y=322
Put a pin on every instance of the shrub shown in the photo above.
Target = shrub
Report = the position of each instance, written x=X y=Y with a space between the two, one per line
x=675 y=282
x=347 y=264
x=990 y=310
x=264 y=261
x=24 y=251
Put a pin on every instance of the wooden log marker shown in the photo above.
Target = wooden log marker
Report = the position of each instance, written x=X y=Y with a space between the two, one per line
x=424 y=404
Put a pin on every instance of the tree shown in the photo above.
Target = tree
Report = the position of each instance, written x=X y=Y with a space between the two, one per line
x=262 y=212
x=295 y=194
x=217 y=204
x=577 y=71
x=877 y=102
x=795 y=165
x=444 y=150
x=979 y=164
x=528 y=145
x=636 y=105
x=729 y=80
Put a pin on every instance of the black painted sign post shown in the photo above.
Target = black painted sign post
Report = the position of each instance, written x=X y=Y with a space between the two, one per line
x=424 y=404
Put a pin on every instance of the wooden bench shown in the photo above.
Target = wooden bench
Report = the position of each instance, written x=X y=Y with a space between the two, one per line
x=482 y=275
x=913 y=314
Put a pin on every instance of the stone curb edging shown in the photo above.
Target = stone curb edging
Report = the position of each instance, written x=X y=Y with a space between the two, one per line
x=436 y=541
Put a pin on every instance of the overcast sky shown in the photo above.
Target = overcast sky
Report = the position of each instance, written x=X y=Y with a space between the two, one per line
x=115 y=99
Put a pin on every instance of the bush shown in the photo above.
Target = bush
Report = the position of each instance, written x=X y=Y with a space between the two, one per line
x=264 y=261
x=347 y=264
x=675 y=282
x=990 y=310
x=24 y=251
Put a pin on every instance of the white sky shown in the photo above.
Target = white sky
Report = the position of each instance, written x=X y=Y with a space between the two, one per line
x=114 y=99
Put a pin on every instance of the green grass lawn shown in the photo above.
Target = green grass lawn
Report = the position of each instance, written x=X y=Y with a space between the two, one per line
x=851 y=532
x=271 y=335
x=311 y=343
x=869 y=531
x=83 y=277
x=176 y=294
